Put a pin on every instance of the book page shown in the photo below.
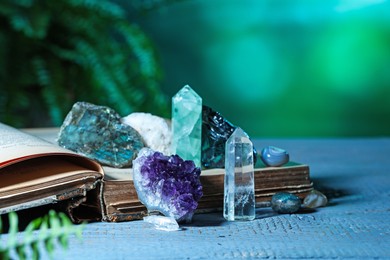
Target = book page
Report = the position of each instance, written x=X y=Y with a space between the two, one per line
x=16 y=145
x=41 y=172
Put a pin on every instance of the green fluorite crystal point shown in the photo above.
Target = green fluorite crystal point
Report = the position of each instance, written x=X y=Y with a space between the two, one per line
x=187 y=124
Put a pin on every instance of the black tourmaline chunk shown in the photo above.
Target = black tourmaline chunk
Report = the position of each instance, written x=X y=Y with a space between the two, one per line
x=215 y=132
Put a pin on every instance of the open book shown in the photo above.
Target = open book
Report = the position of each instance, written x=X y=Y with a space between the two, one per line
x=35 y=172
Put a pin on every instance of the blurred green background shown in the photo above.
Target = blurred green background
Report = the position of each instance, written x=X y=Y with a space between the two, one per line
x=275 y=68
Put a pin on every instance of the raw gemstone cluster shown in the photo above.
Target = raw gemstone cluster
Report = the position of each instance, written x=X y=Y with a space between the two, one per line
x=167 y=184
x=155 y=131
x=216 y=130
x=97 y=133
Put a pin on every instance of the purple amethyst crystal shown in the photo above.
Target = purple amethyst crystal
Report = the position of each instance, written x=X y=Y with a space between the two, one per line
x=167 y=184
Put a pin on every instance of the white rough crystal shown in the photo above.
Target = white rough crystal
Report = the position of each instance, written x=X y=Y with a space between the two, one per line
x=163 y=223
x=155 y=131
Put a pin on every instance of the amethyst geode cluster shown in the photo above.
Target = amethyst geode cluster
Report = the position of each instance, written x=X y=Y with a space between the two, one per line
x=167 y=184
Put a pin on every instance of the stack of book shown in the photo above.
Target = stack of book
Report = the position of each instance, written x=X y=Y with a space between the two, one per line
x=37 y=172
x=121 y=203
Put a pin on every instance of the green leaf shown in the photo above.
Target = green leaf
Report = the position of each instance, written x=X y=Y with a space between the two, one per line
x=1 y=227
x=35 y=250
x=13 y=229
x=49 y=245
x=49 y=229
x=20 y=249
x=4 y=254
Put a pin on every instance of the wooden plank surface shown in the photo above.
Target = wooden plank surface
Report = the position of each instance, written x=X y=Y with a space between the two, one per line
x=354 y=173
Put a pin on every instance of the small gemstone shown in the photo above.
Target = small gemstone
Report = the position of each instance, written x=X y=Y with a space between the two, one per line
x=155 y=131
x=285 y=203
x=187 y=125
x=239 y=189
x=163 y=223
x=97 y=133
x=274 y=156
x=167 y=184
x=315 y=199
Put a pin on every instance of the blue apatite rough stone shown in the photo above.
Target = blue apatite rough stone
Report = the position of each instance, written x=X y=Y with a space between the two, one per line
x=216 y=130
x=167 y=184
x=285 y=203
x=274 y=156
x=97 y=133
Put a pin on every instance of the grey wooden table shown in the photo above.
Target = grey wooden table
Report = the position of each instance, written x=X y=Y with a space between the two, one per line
x=354 y=173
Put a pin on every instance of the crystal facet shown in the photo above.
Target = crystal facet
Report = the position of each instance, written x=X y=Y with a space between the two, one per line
x=187 y=124
x=215 y=132
x=315 y=199
x=97 y=132
x=274 y=156
x=167 y=184
x=155 y=131
x=163 y=223
x=285 y=203
x=239 y=191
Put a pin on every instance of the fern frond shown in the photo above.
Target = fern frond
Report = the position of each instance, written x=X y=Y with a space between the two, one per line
x=48 y=231
x=55 y=53
x=101 y=8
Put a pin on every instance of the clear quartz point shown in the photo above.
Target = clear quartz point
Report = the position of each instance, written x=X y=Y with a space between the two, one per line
x=163 y=222
x=187 y=125
x=239 y=190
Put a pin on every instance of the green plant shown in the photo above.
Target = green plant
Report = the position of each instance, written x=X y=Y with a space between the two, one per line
x=54 y=53
x=52 y=229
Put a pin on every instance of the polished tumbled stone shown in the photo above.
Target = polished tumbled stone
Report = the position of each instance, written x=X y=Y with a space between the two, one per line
x=97 y=133
x=315 y=199
x=239 y=185
x=274 y=156
x=187 y=124
x=155 y=131
x=167 y=184
x=216 y=130
x=285 y=203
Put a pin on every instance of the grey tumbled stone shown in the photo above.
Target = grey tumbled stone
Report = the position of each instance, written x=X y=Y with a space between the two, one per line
x=315 y=199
